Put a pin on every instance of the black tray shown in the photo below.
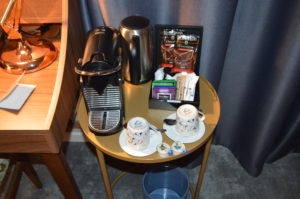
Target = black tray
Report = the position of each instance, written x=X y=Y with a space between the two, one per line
x=174 y=104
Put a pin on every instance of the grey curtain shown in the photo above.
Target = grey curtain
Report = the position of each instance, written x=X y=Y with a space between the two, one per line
x=250 y=53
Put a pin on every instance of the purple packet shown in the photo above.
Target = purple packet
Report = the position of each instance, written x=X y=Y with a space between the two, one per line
x=163 y=93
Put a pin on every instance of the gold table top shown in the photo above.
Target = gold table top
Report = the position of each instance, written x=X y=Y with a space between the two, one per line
x=136 y=104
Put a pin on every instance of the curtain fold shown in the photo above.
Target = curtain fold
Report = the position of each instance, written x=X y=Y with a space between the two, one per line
x=250 y=53
x=260 y=82
x=90 y=14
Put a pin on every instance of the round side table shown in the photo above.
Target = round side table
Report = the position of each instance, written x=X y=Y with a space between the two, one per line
x=136 y=104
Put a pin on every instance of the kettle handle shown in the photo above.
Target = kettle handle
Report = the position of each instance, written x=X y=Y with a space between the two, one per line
x=134 y=60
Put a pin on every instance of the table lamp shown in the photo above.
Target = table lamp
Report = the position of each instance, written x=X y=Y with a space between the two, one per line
x=19 y=55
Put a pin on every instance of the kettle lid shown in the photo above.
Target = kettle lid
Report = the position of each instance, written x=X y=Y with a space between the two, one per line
x=135 y=22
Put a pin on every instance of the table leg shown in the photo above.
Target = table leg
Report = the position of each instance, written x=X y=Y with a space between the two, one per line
x=105 y=177
x=31 y=174
x=202 y=167
x=14 y=182
x=62 y=174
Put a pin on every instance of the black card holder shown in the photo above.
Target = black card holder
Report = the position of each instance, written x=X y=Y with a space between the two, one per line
x=157 y=59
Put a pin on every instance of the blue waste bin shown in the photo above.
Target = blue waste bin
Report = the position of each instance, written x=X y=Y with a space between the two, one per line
x=166 y=182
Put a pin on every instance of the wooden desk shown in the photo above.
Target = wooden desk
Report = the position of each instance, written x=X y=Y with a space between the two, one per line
x=39 y=126
x=136 y=104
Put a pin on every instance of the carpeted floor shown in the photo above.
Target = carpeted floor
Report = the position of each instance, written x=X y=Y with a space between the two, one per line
x=224 y=178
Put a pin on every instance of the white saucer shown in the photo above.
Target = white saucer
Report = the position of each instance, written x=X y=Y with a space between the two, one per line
x=155 y=139
x=175 y=136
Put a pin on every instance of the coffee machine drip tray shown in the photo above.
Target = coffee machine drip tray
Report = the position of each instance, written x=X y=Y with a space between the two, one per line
x=104 y=120
x=105 y=110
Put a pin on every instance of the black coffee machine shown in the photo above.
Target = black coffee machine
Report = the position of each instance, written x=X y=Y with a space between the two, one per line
x=100 y=78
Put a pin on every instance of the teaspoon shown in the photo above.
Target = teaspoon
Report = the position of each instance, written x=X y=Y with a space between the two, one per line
x=170 y=122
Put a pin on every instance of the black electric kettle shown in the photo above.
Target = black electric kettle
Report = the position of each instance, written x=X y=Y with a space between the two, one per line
x=137 y=65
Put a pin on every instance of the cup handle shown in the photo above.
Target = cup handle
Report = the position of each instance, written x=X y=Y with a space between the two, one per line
x=202 y=118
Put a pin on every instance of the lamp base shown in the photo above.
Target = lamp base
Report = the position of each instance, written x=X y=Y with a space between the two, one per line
x=29 y=56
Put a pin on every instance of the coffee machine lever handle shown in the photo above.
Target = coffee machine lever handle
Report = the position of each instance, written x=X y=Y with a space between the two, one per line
x=134 y=60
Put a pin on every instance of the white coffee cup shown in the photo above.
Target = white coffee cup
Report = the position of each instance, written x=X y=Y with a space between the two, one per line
x=187 y=120
x=137 y=133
